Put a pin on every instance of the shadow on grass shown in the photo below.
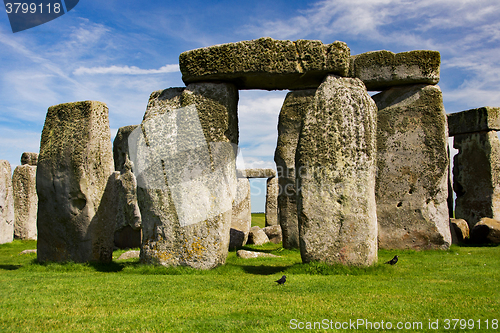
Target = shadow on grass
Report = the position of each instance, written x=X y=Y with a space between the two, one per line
x=112 y=267
x=264 y=270
x=10 y=267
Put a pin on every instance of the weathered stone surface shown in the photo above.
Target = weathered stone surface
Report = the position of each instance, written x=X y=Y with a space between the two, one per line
x=257 y=236
x=272 y=190
x=120 y=147
x=380 y=70
x=29 y=158
x=27 y=252
x=241 y=219
x=254 y=254
x=486 y=231
x=132 y=254
x=273 y=232
x=459 y=230
x=185 y=170
x=291 y=115
x=255 y=173
x=266 y=63
x=476 y=176
x=6 y=203
x=336 y=158
x=412 y=179
x=474 y=120
x=75 y=162
x=25 y=201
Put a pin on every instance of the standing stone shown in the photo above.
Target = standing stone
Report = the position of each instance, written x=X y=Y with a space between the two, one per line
x=6 y=203
x=335 y=164
x=476 y=176
x=128 y=232
x=241 y=219
x=185 y=169
x=25 y=198
x=459 y=230
x=74 y=167
x=292 y=113
x=272 y=201
x=412 y=180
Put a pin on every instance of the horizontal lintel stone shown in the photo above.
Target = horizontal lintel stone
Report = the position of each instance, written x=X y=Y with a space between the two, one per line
x=475 y=120
x=255 y=173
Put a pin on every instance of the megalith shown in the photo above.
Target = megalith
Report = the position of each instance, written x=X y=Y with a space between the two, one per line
x=335 y=169
x=412 y=161
x=128 y=232
x=6 y=203
x=241 y=218
x=185 y=165
x=476 y=167
x=25 y=198
x=271 y=201
x=74 y=167
x=291 y=115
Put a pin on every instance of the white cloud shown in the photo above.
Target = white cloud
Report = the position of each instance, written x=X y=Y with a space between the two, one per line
x=127 y=70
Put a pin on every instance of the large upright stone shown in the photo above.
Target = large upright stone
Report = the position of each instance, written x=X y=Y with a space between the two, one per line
x=412 y=180
x=25 y=198
x=476 y=176
x=75 y=162
x=120 y=146
x=380 y=70
x=266 y=63
x=6 y=203
x=185 y=169
x=241 y=218
x=335 y=168
x=272 y=189
x=291 y=115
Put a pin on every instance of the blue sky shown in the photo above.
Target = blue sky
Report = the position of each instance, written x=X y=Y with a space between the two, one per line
x=119 y=51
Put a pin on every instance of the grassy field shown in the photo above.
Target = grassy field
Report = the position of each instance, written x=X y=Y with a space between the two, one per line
x=259 y=219
x=241 y=296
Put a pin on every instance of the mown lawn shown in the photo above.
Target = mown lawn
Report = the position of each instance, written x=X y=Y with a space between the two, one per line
x=125 y=296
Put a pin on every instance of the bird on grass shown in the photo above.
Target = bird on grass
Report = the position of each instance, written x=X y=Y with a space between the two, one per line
x=393 y=261
x=282 y=280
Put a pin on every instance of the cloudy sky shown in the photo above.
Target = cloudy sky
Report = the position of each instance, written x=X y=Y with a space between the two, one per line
x=119 y=51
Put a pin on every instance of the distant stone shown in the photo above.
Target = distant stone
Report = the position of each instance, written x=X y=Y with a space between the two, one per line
x=29 y=158
x=476 y=176
x=185 y=169
x=273 y=233
x=6 y=203
x=254 y=254
x=380 y=70
x=255 y=173
x=75 y=162
x=266 y=63
x=459 y=230
x=241 y=219
x=474 y=120
x=25 y=201
x=272 y=190
x=120 y=147
x=412 y=178
x=27 y=252
x=291 y=115
x=132 y=254
x=486 y=231
x=336 y=163
x=257 y=236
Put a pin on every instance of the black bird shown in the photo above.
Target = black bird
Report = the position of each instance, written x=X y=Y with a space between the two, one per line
x=393 y=261
x=282 y=280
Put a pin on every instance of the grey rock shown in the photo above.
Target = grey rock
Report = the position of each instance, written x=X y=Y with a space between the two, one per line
x=185 y=170
x=257 y=236
x=132 y=254
x=128 y=232
x=272 y=190
x=474 y=120
x=74 y=165
x=241 y=218
x=380 y=70
x=459 y=230
x=29 y=158
x=25 y=201
x=6 y=203
x=486 y=231
x=254 y=254
x=291 y=115
x=335 y=168
x=412 y=179
x=27 y=252
x=266 y=63
x=255 y=173
x=476 y=176
x=273 y=233
x=120 y=147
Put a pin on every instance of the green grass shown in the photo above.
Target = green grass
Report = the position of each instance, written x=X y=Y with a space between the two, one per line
x=241 y=296
x=259 y=219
